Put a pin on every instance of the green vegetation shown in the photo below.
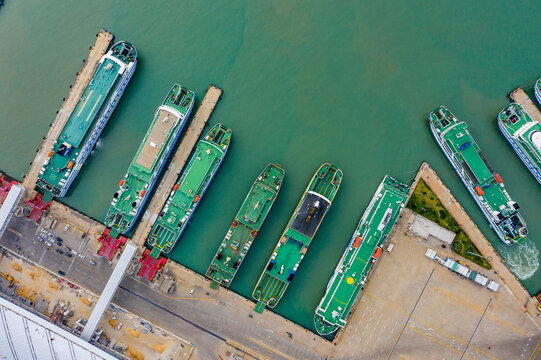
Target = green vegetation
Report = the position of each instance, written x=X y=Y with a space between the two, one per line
x=425 y=203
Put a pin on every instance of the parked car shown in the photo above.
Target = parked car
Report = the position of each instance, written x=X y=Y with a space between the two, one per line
x=61 y=272
x=48 y=243
x=40 y=239
x=68 y=254
x=92 y=262
x=74 y=252
x=82 y=256
x=59 y=251
x=68 y=248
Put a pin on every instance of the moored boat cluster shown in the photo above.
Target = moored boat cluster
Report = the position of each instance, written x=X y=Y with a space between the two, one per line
x=101 y=96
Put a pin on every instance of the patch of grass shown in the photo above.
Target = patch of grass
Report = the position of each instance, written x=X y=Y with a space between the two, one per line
x=425 y=203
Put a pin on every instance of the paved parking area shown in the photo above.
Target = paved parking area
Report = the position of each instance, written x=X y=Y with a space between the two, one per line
x=67 y=250
x=416 y=309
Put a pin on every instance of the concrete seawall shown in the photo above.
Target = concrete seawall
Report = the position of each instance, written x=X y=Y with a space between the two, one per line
x=485 y=248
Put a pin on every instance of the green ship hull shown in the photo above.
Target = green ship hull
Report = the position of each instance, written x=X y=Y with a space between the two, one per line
x=188 y=190
x=296 y=238
x=484 y=184
x=159 y=141
x=524 y=135
x=87 y=120
x=245 y=226
x=358 y=259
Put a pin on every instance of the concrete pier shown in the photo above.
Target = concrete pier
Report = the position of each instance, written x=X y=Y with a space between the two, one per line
x=177 y=164
x=103 y=39
x=480 y=241
x=519 y=96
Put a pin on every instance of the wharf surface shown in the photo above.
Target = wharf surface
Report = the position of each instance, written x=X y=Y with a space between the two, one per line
x=177 y=164
x=103 y=39
x=179 y=301
x=509 y=279
x=182 y=302
x=520 y=97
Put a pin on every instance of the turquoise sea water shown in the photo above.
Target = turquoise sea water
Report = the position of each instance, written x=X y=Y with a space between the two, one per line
x=304 y=82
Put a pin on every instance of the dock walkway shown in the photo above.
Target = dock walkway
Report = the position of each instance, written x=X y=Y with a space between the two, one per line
x=103 y=39
x=520 y=97
x=179 y=160
x=480 y=241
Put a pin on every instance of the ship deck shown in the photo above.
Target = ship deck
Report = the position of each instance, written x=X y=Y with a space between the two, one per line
x=250 y=217
x=156 y=140
x=356 y=262
x=78 y=129
x=193 y=183
x=177 y=163
x=310 y=214
x=461 y=142
x=90 y=64
x=90 y=103
x=293 y=244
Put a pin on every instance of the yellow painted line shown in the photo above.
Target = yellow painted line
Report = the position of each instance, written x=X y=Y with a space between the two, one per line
x=338 y=301
x=360 y=260
x=403 y=357
x=91 y=111
x=174 y=297
x=396 y=341
x=481 y=311
x=535 y=351
x=16 y=233
x=271 y=349
x=304 y=345
x=283 y=347
x=265 y=286
x=439 y=342
x=246 y=350
x=349 y=322
x=432 y=326
x=270 y=293
x=84 y=104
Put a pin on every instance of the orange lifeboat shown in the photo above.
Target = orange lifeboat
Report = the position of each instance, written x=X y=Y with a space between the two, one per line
x=479 y=191
x=235 y=223
x=196 y=199
x=377 y=253
x=50 y=153
x=121 y=182
x=175 y=187
x=70 y=164
x=142 y=193
x=356 y=242
x=498 y=178
x=253 y=234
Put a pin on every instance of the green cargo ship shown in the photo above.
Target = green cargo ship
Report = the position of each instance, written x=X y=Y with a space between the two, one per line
x=87 y=120
x=296 y=238
x=484 y=184
x=245 y=227
x=188 y=190
x=157 y=145
x=524 y=135
x=358 y=259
